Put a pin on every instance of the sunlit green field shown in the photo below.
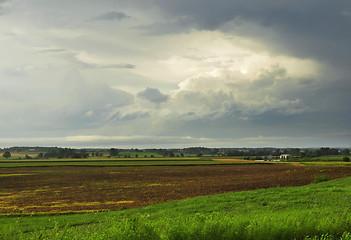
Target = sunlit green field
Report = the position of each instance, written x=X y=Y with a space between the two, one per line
x=118 y=162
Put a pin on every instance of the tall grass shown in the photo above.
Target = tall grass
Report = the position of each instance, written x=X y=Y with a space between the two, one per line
x=317 y=211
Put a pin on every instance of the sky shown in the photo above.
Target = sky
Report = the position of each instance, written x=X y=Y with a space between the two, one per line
x=175 y=73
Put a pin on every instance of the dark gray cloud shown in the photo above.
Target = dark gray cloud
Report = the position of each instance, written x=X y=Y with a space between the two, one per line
x=88 y=105
x=316 y=28
x=2 y=9
x=53 y=50
x=176 y=25
x=153 y=95
x=125 y=65
x=119 y=16
x=129 y=116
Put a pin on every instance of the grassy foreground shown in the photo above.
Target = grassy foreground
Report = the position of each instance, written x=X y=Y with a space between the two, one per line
x=316 y=211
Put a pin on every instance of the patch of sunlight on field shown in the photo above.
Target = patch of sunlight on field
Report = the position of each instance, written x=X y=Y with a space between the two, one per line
x=153 y=185
x=327 y=163
x=15 y=174
x=59 y=204
x=150 y=185
x=231 y=160
x=159 y=184
x=56 y=205
x=9 y=196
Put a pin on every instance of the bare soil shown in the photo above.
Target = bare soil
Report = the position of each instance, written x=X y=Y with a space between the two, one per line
x=58 y=189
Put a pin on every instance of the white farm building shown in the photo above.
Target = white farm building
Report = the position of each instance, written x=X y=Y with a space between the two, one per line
x=285 y=156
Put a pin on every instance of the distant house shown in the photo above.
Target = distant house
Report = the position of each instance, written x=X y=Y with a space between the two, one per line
x=285 y=156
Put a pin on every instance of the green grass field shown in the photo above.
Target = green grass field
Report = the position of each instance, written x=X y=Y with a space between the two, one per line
x=327 y=158
x=316 y=211
x=116 y=162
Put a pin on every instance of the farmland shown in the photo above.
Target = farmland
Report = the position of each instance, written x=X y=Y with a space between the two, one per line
x=103 y=162
x=34 y=193
x=320 y=210
x=69 y=189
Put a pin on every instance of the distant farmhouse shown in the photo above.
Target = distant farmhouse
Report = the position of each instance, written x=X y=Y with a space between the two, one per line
x=285 y=156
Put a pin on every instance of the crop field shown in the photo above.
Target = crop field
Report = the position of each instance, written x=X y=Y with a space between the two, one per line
x=72 y=189
x=117 y=162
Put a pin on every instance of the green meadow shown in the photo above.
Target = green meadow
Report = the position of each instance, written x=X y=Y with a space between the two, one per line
x=315 y=211
x=112 y=162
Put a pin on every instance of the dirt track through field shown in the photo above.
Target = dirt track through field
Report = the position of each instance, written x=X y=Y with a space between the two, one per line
x=57 y=189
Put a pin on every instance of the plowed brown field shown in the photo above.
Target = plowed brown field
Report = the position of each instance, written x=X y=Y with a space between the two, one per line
x=57 y=189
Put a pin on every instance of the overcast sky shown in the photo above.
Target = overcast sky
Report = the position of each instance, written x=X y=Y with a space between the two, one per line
x=175 y=73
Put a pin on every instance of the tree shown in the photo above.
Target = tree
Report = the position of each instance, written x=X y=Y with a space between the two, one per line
x=113 y=152
x=345 y=151
x=7 y=155
x=84 y=153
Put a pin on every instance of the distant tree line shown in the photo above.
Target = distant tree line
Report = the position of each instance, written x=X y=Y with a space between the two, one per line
x=247 y=153
x=296 y=152
x=64 y=153
x=239 y=152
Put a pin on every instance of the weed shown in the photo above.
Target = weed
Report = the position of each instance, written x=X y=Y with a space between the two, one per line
x=320 y=178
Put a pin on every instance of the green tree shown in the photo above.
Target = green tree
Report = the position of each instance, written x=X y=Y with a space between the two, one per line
x=345 y=151
x=113 y=152
x=199 y=155
x=7 y=154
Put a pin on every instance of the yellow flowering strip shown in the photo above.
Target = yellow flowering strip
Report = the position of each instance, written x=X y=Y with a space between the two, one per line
x=88 y=203
x=14 y=174
x=154 y=185
x=149 y=185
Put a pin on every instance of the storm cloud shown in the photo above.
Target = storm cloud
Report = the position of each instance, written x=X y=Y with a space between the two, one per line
x=317 y=29
x=112 y=16
x=223 y=73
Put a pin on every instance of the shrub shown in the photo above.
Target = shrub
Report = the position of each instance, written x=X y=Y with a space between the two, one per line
x=320 y=178
x=346 y=159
